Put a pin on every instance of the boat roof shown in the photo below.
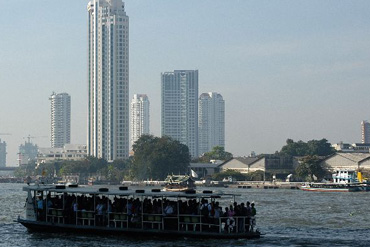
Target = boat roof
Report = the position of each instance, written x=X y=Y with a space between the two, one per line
x=177 y=178
x=94 y=190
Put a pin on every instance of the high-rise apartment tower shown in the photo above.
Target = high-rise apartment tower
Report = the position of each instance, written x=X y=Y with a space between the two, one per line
x=179 y=116
x=2 y=153
x=365 y=131
x=211 y=122
x=60 y=119
x=108 y=80
x=139 y=116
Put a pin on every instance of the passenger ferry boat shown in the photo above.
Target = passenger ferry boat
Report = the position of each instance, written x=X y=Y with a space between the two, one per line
x=179 y=183
x=343 y=181
x=132 y=212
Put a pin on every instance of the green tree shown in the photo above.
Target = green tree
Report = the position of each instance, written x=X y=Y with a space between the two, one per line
x=313 y=147
x=255 y=176
x=81 y=167
x=155 y=158
x=96 y=164
x=319 y=147
x=118 y=170
x=45 y=169
x=311 y=166
x=26 y=170
x=217 y=153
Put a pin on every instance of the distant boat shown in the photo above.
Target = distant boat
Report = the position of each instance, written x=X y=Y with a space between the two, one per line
x=179 y=183
x=343 y=181
x=333 y=187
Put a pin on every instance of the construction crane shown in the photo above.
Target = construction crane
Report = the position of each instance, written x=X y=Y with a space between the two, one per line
x=29 y=137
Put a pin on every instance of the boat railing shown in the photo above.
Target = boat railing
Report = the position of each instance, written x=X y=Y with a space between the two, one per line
x=85 y=217
x=175 y=222
x=182 y=222
x=55 y=215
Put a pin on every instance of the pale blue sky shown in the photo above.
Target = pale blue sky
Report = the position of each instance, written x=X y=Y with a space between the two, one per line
x=286 y=69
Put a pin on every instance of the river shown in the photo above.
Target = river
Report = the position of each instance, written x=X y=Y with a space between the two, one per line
x=286 y=217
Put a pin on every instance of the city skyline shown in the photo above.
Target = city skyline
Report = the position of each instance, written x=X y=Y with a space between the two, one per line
x=287 y=69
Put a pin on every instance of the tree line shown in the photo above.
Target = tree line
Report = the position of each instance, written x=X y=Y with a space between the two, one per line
x=156 y=157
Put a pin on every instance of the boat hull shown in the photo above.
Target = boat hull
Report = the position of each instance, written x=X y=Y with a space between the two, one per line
x=336 y=189
x=131 y=232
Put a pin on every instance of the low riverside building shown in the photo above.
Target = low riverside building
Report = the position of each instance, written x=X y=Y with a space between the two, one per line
x=68 y=152
x=269 y=163
x=206 y=170
x=349 y=161
x=240 y=164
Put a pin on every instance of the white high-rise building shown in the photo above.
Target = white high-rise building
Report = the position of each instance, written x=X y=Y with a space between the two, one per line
x=139 y=116
x=211 y=122
x=60 y=119
x=179 y=116
x=108 y=107
x=365 y=131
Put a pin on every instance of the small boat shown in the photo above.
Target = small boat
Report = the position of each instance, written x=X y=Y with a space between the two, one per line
x=122 y=211
x=178 y=183
x=343 y=181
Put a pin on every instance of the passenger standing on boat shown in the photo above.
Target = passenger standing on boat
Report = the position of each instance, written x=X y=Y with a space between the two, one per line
x=230 y=221
x=218 y=211
x=204 y=209
x=40 y=208
x=74 y=209
x=49 y=202
x=248 y=217
x=253 y=217
x=241 y=221
x=168 y=210
x=99 y=213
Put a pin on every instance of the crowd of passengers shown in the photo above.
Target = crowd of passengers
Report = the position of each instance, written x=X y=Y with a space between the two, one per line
x=240 y=216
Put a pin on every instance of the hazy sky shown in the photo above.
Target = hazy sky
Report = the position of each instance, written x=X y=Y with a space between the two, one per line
x=286 y=69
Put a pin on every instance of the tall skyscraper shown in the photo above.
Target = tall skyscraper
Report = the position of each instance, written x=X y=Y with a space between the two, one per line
x=2 y=153
x=365 y=131
x=108 y=67
x=139 y=116
x=179 y=118
x=211 y=122
x=60 y=119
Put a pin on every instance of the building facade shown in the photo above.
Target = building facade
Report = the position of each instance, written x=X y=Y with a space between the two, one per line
x=139 y=116
x=60 y=119
x=27 y=152
x=365 y=132
x=347 y=161
x=352 y=148
x=211 y=122
x=179 y=105
x=108 y=80
x=67 y=152
x=2 y=153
